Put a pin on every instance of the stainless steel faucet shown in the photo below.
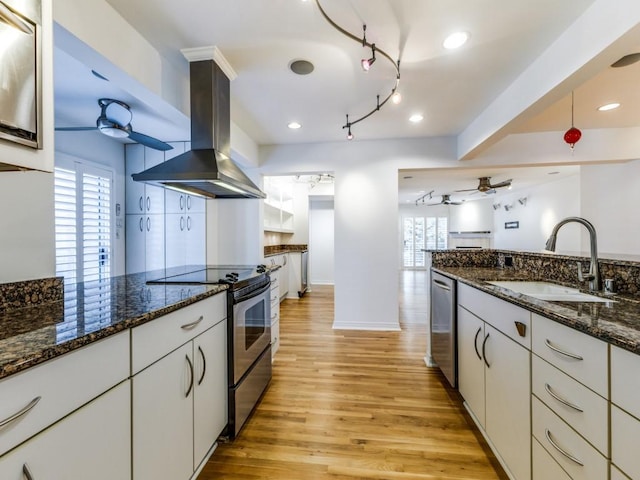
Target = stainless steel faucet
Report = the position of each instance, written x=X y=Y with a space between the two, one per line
x=593 y=275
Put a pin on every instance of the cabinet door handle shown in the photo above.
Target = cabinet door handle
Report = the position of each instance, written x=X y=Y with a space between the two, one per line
x=148 y=224
x=148 y=203
x=27 y=472
x=181 y=202
x=141 y=224
x=550 y=391
x=284 y=260
x=562 y=352
x=141 y=204
x=555 y=445
x=521 y=328
x=484 y=355
x=20 y=413
x=188 y=202
x=204 y=365
x=475 y=343
x=442 y=285
x=182 y=224
x=189 y=326
x=189 y=224
x=190 y=376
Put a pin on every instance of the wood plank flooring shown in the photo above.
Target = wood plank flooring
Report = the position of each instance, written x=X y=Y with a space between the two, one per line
x=355 y=405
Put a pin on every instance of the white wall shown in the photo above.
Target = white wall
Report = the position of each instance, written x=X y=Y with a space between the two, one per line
x=321 y=240
x=96 y=148
x=546 y=205
x=366 y=216
x=610 y=199
x=475 y=216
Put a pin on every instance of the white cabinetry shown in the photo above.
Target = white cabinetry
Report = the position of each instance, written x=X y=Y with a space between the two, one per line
x=625 y=412
x=275 y=310
x=144 y=209
x=497 y=334
x=278 y=206
x=93 y=442
x=164 y=227
x=46 y=393
x=180 y=400
x=570 y=398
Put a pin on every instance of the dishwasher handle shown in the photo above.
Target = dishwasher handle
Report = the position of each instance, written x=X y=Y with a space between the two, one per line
x=441 y=284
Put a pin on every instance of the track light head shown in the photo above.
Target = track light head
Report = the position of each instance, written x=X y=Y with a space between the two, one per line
x=367 y=62
x=349 y=134
x=396 y=98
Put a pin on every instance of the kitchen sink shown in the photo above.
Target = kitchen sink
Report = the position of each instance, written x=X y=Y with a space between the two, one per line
x=551 y=292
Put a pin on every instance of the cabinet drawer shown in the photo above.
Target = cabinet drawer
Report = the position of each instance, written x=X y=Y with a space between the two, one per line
x=544 y=466
x=561 y=441
x=625 y=388
x=617 y=474
x=557 y=389
x=275 y=314
x=155 y=339
x=580 y=356
x=502 y=315
x=62 y=385
x=625 y=432
x=275 y=337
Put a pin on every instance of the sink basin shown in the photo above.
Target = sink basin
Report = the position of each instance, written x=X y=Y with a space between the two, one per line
x=549 y=291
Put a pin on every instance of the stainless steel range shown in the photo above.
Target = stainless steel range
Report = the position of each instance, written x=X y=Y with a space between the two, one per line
x=249 y=332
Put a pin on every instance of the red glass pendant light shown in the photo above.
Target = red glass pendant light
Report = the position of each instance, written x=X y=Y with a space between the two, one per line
x=572 y=135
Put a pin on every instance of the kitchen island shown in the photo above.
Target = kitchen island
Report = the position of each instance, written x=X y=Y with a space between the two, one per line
x=550 y=384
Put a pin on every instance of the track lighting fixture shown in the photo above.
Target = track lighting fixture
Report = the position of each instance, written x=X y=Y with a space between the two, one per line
x=423 y=197
x=496 y=206
x=508 y=207
x=366 y=65
x=523 y=201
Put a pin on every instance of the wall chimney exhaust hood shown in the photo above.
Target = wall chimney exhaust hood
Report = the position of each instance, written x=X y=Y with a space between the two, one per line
x=207 y=169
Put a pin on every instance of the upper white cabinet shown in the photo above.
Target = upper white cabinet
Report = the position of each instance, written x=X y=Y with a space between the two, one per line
x=164 y=227
x=278 y=206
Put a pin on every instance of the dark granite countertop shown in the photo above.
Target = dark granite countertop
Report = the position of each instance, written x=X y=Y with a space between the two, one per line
x=270 y=251
x=90 y=311
x=616 y=322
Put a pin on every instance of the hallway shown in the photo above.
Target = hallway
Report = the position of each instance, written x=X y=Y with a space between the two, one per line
x=347 y=404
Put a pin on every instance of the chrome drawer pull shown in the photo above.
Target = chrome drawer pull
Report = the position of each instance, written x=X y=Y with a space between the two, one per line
x=555 y=445
x=475 y=343
x=547 y=387
x=191 y=325
x=442 y=285
x=562 y=352
x=191 y=376
x=204 y=365
x=27 y=472
x=20 y=413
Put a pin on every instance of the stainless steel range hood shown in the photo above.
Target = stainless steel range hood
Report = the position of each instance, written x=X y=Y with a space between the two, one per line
x=207 y=168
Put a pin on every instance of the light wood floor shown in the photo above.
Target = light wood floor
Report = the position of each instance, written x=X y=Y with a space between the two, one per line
x=354 y=404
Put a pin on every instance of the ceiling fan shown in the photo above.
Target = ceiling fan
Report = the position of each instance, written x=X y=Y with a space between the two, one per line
x=115 y=121
x=485 y=186
x=446 y=200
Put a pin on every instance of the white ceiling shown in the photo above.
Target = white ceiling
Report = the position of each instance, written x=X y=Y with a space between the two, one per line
x=450 y=88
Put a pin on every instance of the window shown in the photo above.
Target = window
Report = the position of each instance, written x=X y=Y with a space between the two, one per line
x=83 y=243
x=419 y=233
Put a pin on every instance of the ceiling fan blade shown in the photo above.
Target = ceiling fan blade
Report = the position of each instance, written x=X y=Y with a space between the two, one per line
x=150 y=142
x=490 y=192
x=506 y=183
x=467 y=190
x=74 y=129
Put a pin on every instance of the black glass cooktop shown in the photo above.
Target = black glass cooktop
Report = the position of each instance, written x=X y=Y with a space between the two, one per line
x=235 y=275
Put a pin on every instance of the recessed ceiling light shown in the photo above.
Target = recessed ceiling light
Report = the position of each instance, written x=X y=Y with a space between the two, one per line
x=416 y=118
x=294 y=125
x=608 y=106
x=455 y=40
x=301 y=67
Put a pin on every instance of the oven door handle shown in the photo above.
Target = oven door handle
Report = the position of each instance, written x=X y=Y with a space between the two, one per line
x=244 y=298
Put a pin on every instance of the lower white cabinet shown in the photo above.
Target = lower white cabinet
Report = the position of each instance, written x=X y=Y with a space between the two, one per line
x=93 y=442
x=494 y=376
x=546 y=468
x=180 y=407
x=507 y=399
x=276 y=282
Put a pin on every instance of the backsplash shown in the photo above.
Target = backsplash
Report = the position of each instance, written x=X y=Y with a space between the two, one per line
x=30 y=293
x=545 y=266
x=275 y=249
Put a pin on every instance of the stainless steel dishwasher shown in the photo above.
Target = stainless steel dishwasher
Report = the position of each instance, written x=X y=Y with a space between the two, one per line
x=443 y=326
